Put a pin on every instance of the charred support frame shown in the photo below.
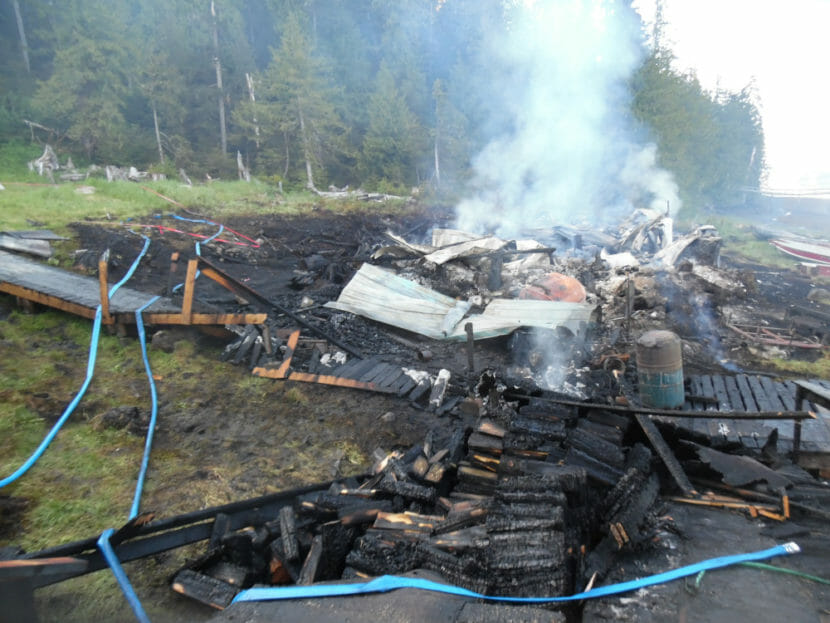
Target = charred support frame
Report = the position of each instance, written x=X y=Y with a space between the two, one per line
x=160 y=536
x=212 y=271
x=735 y=415
x=807 y=390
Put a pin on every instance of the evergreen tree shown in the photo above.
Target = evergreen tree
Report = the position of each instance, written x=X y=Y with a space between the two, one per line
x=451 y=149
x=712 y=145
x=297 y=105
x=391 y=142
x=87 y=90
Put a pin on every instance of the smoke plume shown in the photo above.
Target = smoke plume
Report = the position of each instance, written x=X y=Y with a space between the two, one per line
x=568 y=153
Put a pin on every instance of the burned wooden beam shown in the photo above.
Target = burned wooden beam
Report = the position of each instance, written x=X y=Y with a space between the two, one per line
x=205 y=589
x=735 y=415
x=408 y=490
x=212 y=271
x=665 y=454
x=288 y=532
x=485 y=443
x=308 y=574
x=460 y=539
x=511 y=523
x=407 y=522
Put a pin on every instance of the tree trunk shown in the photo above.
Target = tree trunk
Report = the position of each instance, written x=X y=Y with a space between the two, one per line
x=244 y=174
x=306 y=150
x=437 y=161
x=287 y=155
x=250 y=80
x=158 y=133
x=223 y=135
x=24 y=46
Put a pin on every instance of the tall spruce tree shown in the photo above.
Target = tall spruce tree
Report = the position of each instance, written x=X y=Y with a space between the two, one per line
x=87 y=90
x=390 y=146
x=297 y=104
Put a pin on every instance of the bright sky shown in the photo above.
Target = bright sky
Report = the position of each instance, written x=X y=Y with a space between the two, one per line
x=781 y=46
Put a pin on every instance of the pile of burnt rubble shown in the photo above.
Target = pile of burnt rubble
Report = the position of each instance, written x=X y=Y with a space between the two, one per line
x=530 y=501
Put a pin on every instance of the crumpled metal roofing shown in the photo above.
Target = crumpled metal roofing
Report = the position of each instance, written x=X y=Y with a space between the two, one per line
x=383 y=296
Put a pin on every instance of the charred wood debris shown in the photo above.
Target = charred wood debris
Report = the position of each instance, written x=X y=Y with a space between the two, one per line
x=518 y=490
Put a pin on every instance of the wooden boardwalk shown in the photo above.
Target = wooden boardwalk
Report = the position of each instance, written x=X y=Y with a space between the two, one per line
x=755 y=393
x=81 y=295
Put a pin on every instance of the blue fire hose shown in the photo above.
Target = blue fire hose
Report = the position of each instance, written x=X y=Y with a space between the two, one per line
x=387 y=583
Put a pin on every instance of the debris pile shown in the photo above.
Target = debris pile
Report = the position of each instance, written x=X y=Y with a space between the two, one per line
x=531 y=501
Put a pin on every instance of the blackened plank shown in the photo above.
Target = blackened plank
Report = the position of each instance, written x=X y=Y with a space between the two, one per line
x=734 y=393
x=308 y=574
x=713 y=425
x=359 y=369
x=344 y=370
x=406 y=387
x=743 y=428
x=719 y=385
x=205 y=589
x=391 y=377
x=698 y=426
x=418 y=392
x=746 y=393
x=314 y=361
x=786 y=395
x=764 y=403
x=721 y=394
x=370 y=376
x=772 y=394
x=696 y=391
x=665 y=453
x=288 y=532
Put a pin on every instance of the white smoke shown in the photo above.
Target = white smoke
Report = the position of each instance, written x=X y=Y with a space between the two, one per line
x=568 y=155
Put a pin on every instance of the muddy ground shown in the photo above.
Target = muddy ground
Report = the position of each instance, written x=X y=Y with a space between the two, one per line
x=252 y=438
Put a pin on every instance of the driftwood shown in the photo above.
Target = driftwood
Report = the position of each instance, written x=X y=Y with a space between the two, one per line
x=244 y=173
x=47 y=163
x=360 y=195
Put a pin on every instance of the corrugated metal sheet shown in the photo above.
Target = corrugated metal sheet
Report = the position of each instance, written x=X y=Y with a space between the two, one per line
x=388 y=298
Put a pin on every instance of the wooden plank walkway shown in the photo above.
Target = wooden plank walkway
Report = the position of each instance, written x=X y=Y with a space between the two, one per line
x=81 y=295
x=756 y=393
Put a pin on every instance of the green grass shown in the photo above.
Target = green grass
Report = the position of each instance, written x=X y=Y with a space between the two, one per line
x=820 y=368
x=30 y=200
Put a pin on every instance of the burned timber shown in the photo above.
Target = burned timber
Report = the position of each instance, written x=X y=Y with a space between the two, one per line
x=544 y=471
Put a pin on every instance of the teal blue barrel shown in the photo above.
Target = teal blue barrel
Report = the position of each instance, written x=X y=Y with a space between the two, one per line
x=660 y=370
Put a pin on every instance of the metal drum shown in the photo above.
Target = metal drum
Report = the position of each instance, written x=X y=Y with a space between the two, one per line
x=660 y=370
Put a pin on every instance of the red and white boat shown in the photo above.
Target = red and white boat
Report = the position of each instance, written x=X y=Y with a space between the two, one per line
x=808 y=251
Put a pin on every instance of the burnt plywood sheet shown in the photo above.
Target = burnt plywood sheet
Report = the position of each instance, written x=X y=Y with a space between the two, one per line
x=73 y=288
x=754 y=393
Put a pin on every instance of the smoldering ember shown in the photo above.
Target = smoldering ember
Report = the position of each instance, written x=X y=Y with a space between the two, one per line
x=581 y=407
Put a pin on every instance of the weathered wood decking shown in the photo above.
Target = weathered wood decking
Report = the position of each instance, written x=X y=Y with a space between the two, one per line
x=757 y=393
x=81 y=295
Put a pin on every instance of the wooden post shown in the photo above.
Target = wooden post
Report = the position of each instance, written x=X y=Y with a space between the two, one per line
x=174 y=259
x=189 y=286
x=103 y=268
x=471 y=366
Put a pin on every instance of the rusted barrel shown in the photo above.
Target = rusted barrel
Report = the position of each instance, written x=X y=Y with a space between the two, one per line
x=660 y=370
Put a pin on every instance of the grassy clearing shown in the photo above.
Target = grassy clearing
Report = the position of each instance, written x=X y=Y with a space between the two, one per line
x=820 y=368
x=30 y=200
x=81 y=483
